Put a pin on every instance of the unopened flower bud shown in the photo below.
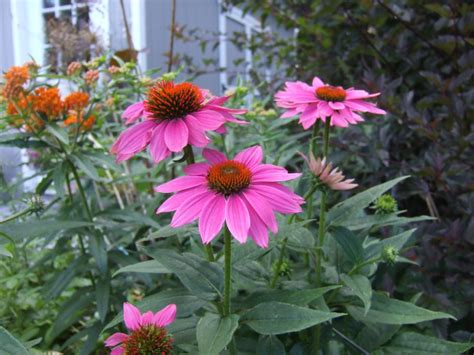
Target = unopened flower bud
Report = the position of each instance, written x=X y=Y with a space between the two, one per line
x=385 y=204
x=389 y=254
x=91 y=77
x=73 y=68
x=284 y=269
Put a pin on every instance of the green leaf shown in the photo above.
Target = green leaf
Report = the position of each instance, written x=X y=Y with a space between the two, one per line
x=59 y=178
x=296 y=297
x=169 y=231
x=214 y=333
x=186 y=304
x=349 y=242
x=102 y=295
x=86 y=166
x=98 y=250
x=70 y=312
x=54 y=288
x=58 y=132
x=104 y=160
x=204 y=279
x=299 y=237
x=39 y=228
x=270 y=345
x=345 y=209
x=387 y=310
x=361 y=287
x=419 y=344
x=9 y=345
x=149 y=267
x=368 y=221
x=279 y=318
x=44 y=183
x=375 y=247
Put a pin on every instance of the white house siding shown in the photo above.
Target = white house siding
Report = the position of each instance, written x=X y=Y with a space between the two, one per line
x=202 y=14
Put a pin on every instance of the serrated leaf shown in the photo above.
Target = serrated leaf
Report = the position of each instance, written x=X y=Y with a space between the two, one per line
x=361 y=287
x=204 y=279
x=150 y=267
x=387 y=310
x=350 y=243
x=345 y=209
x=296 y=297
x=279 y=318
x=418 y=344
x=9 y=345
x=214 y=332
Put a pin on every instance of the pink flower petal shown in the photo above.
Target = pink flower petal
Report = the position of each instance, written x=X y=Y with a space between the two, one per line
x=190 y=210
x=213 y=156
x=175 y=201
x=158 y=148
x=131 y=316
x=212 y=218
x=133 y=112
x=262 y=208
x=197 y=135
x=271 y=173
x=208 y=119
x=115 y=339
x=147 y=318
x=336 y=105
x=176 y=135
x=258 y=230
x=317 y=82
x=118 y=351
x=181 y=183
x=197 y=169
x=280 y=201
x=133 y=139
x=251 y=156
x=166 y=316
x=237 y=218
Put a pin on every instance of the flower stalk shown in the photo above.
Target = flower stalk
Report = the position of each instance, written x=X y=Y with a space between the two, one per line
x=227 y=270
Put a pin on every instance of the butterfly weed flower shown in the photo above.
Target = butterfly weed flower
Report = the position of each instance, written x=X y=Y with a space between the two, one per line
x=320 y=101
x=242 y=192
x=175 y=115
x=147 y=332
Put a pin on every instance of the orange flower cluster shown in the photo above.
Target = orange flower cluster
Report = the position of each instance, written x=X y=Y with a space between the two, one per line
x=47 y=101
x=74 y=118
x=76 y=101
x=15 y=77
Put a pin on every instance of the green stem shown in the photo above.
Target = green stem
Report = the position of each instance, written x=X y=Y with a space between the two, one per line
x=322 y=208
x=17 y=215
x=309 y=210
x=227 y=270
x=321 y=235
x=81 y=190
x=276 y=275
x=88 y=211
x=189 y=154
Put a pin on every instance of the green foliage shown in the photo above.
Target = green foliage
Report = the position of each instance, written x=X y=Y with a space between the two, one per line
x=70 y=263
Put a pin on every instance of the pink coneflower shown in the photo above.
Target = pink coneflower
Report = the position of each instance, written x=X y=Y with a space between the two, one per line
x=175 y=115
x=321 y=101
x=243 y=193
x=328 y=176
x=147 y=332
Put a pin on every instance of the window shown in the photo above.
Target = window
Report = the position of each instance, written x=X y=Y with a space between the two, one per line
x=238 y=61
x=67 y=31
